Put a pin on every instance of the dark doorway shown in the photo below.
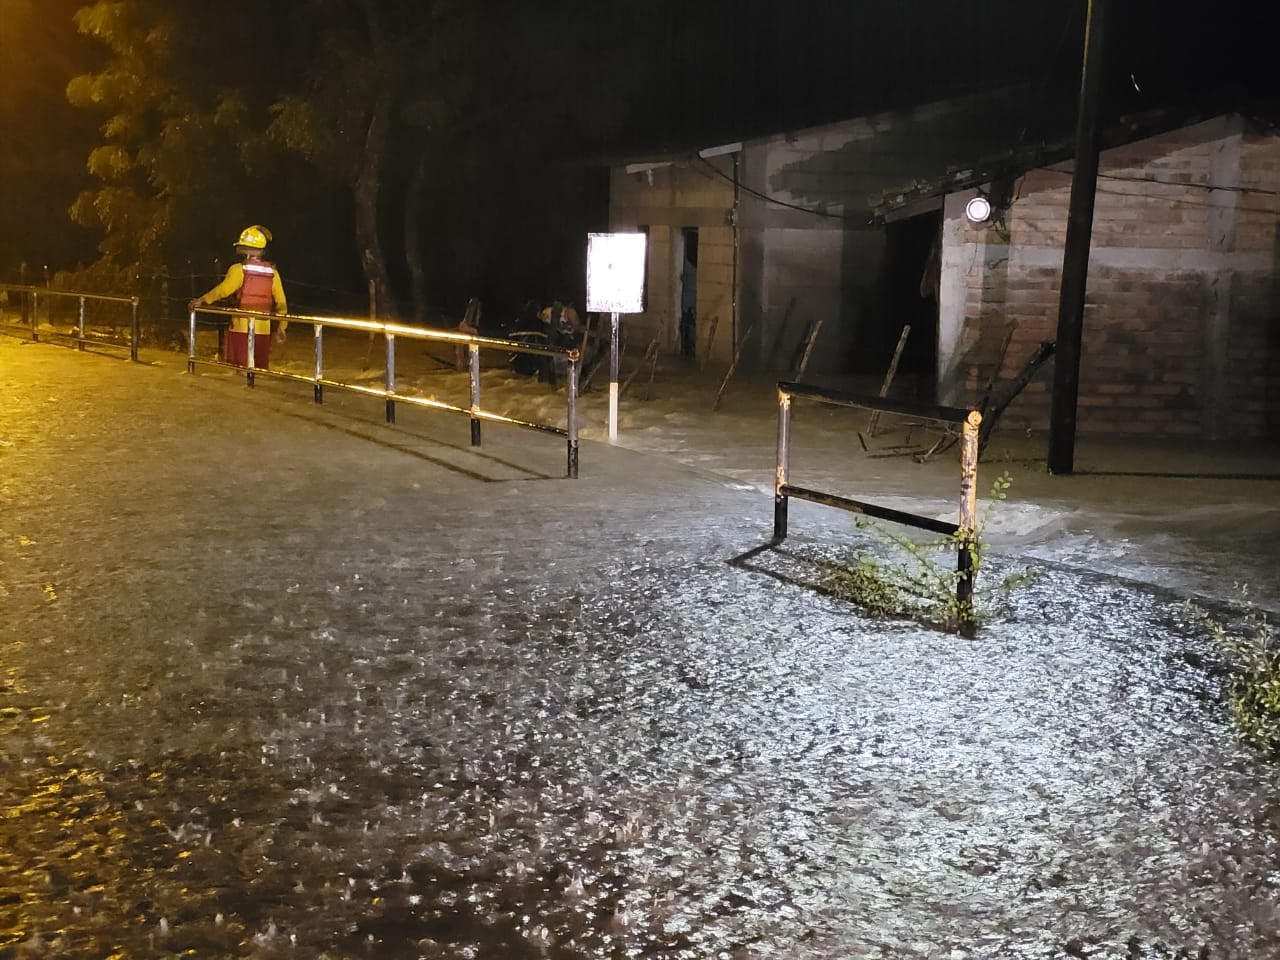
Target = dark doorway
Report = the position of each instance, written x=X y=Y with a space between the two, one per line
x=688 y=295
x=907 y=294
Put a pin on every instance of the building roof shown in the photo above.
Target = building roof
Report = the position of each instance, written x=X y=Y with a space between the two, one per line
x=973 y=169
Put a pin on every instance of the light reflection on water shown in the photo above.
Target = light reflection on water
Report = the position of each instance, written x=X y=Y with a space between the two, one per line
x=696 y=763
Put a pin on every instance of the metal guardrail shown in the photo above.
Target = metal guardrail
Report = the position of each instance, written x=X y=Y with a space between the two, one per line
x=968 y=420
x=31 y=314
x=388 y=392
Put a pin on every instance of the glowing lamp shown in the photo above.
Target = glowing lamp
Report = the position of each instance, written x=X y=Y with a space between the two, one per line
x=978 y=210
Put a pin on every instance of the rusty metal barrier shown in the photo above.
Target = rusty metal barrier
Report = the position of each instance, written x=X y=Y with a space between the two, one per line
x=964 y=532
x=82 y=335
x=388 y=392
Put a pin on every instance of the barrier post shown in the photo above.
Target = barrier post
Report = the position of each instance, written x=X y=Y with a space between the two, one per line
x=80 y=327
x=35 y=315
x=966 y=535
x=191 y=341
x=391 y=376
x=613 y=377
x=164 y=294
x=575 y=359
x=133 y=330
x=473 y=356
x=317 y=329
x=253 y=337
x=783 y=469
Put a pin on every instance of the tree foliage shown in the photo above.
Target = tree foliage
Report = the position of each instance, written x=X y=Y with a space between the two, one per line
x=178 y=95
x=451 y=131
x=385 y=83
x=214 y=118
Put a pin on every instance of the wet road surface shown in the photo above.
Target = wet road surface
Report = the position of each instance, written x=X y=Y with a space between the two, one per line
x=280 y=681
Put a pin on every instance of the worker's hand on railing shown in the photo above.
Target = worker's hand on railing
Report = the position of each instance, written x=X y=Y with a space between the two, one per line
x=195 y=304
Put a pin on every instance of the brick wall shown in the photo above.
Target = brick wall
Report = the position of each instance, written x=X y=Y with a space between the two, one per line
x=1181 y=318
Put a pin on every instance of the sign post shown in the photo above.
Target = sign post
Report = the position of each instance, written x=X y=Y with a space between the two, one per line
x=615 y=284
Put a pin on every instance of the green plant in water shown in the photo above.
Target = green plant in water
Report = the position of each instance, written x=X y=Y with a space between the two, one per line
x=921 y=580
x=1252 y=646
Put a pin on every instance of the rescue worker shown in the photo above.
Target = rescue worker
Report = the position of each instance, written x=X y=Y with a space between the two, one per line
x=564 y=331
x=252 y=285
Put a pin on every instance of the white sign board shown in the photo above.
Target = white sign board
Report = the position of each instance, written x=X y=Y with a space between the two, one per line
x=615 y=272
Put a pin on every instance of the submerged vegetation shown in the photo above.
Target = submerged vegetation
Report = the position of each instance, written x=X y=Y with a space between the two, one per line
x=1251 y=643
x=921 y=580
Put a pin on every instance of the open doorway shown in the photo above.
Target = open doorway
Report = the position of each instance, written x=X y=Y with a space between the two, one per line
x=907 y=295
x=687 y=290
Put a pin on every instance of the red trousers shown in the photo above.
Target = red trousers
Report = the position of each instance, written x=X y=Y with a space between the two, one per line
x=238 y=349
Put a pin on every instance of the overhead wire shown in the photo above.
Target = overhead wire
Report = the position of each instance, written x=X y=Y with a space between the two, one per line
x=765 y=197
x=1188 y=200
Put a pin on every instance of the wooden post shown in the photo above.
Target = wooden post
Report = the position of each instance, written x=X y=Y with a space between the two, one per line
x=782 y=470
x=776 y=346
x=590 y=332
x=164 y=293
x=651 y=357
x=808 y=348
x=737 y=355
x=888 y=377
x=134 y=331
x=653 y=370
x=711 y=338
x=966 y=536
x=1075 y=256
x=997 y=367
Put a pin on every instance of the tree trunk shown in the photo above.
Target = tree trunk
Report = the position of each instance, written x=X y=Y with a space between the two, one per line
x=413 y=240
x=366 y=203
x=369 y=180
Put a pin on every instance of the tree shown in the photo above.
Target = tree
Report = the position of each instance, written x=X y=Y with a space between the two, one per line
x=176 y=109
x=354 y=103
x=185 y=162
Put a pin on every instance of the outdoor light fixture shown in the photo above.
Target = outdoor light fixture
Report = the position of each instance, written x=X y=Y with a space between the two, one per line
x=978 y=210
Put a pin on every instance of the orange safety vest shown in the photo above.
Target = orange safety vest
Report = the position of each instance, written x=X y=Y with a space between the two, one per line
x=255 y=292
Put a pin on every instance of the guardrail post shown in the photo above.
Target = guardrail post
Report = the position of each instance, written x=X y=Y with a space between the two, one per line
x=191 y=342
x=134 y=333
x=35 y=315
x=575 y=359
x=613 y=377
x=253 y=337
x=317 y=330
x=783 y=469
x=473 y=351
x=164 y=293
x=80 y=327
x=966 y=536
x=391 y=377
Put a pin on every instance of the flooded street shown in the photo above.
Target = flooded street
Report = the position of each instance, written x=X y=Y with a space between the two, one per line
x=278 y=681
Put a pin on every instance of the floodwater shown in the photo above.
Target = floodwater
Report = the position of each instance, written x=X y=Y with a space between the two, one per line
x=269 y=688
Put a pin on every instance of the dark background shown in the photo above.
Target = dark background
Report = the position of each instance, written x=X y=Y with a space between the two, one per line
x=557 y=89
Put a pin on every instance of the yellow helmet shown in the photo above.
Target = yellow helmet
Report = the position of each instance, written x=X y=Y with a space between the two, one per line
x=255 y=237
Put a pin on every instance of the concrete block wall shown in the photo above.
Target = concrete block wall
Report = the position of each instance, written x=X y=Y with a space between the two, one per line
x=816 y=245
x=1181 y=319
x=662 y=201
x=800 y=287
x=715 y=294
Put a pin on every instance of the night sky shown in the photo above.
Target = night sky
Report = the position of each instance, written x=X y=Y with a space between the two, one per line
x=556 y=86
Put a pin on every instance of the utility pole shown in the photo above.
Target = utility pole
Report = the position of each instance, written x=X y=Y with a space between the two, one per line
x=1075 y=256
